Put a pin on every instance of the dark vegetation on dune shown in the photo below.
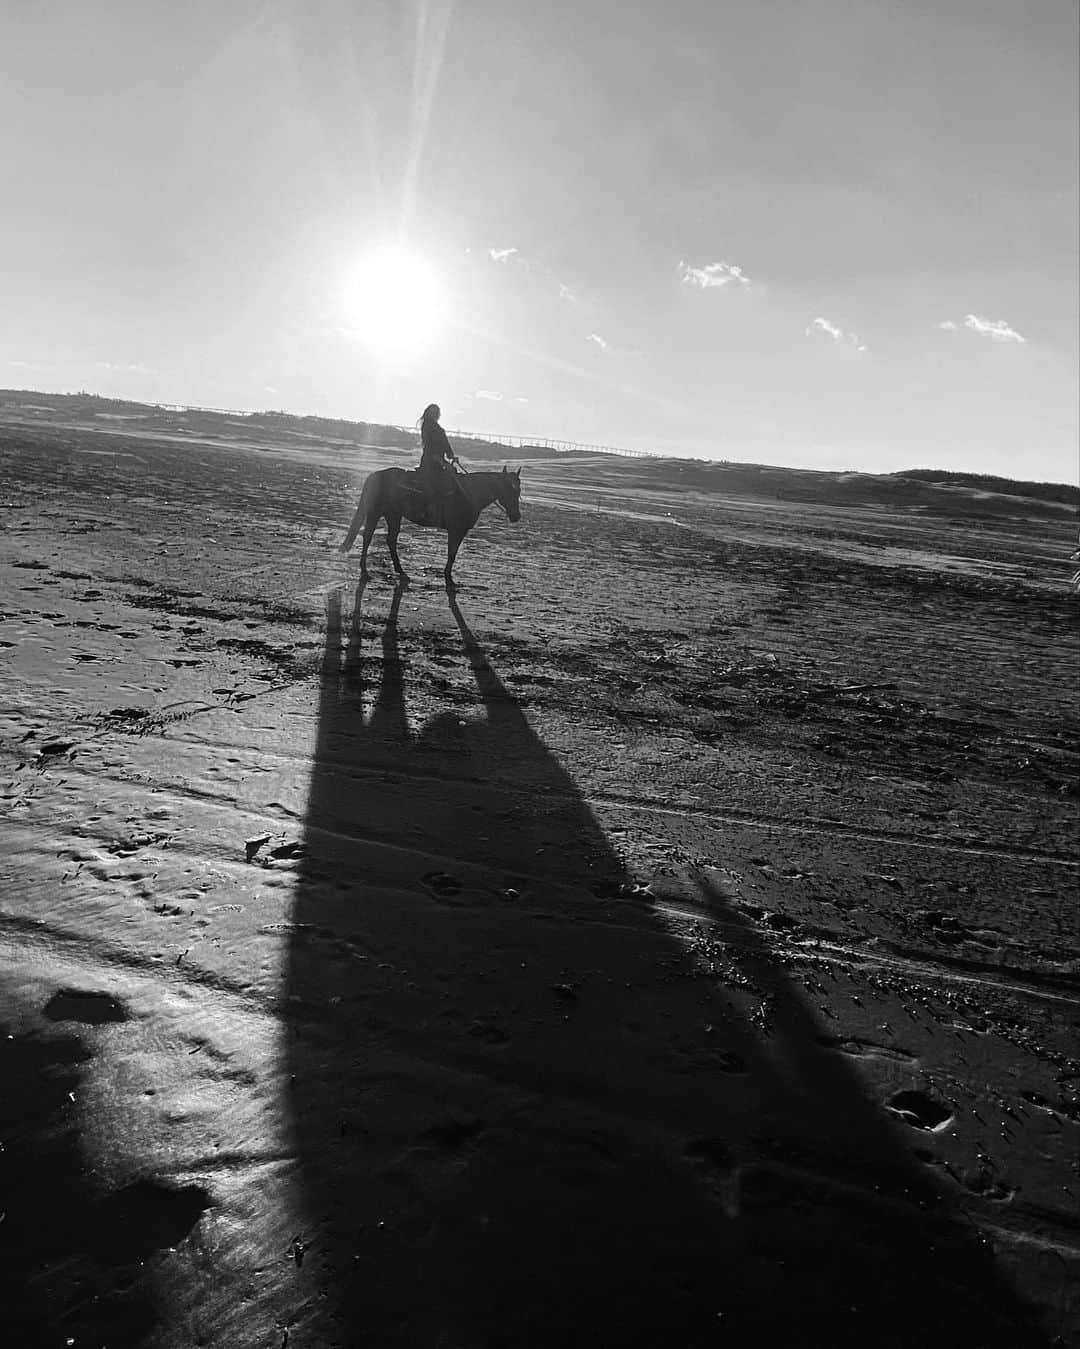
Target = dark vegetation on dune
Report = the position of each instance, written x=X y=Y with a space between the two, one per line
x=927 y=490
x=989 y=482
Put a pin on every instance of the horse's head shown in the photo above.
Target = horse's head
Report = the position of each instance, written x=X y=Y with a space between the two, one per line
x=508 y=493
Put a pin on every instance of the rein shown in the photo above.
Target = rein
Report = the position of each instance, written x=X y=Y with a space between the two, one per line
x=460 y=468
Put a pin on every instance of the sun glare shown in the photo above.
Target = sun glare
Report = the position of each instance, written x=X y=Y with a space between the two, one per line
x=394 y=304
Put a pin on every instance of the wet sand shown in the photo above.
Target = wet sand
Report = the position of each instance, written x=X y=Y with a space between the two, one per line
x=670 y=938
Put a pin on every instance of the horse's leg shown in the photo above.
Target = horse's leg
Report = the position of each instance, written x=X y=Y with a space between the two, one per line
x=393 y=525
x=453 y=543
x=369 y=531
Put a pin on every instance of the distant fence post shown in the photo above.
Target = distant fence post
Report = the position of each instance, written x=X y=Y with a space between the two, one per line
x=505 y=442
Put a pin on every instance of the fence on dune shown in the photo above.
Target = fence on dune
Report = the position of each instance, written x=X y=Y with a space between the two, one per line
x=509 y=442
x=531 y=443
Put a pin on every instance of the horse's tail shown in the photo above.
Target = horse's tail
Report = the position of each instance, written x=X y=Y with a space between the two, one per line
x=367 y=503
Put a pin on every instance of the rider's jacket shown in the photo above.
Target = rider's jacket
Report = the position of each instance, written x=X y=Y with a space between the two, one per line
x=436 y=447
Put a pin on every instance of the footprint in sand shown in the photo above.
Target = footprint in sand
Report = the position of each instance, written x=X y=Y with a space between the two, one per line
x=489 y=1032
x=136 y=842
x=147 y=1216
x=286 y=851
x=719 y=1168
x=920 y=1110
x=442 y=884
x=865 y=1048
x=986 y=1185
x=52 y=747
x=457 y=1130
x=90 y=1006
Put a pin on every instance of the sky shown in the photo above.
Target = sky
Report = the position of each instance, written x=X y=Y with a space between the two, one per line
x=830 y=233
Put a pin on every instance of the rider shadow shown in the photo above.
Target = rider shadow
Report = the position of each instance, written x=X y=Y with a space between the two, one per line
x=524 y=1117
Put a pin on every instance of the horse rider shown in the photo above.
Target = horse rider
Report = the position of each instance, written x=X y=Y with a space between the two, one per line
x=435 y=472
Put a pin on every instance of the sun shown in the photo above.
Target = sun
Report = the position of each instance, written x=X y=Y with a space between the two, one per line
x=394 y=303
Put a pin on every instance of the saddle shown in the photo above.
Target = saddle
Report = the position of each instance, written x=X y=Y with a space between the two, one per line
x=428 y=508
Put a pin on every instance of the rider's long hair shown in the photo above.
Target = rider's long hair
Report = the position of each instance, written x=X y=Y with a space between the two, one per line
x=430 y=414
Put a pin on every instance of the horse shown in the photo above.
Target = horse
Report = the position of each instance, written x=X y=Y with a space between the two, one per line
x=392 y=493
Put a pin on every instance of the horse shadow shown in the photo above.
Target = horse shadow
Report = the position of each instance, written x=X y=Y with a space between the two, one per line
x=524 y=1116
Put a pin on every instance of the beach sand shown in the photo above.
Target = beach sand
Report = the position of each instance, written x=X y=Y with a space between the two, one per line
x=669 y=939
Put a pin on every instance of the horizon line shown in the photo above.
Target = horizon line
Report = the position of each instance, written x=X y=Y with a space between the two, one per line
x=510 y=441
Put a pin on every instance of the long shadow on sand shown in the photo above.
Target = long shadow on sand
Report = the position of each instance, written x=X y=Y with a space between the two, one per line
x=525 y=1117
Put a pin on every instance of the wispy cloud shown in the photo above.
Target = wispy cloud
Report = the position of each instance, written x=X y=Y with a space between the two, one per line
x=108 y=367
x=124 y=367
x=997 y=330
x=713 y=274
x=823 y=325
x=492 y=395
x=612 y=350
x=534 y=267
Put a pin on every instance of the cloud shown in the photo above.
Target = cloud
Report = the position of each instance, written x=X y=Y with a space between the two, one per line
x=822 y=325
x=534 y=267
x=711 y=275
x=124 y=367
x=611 y=350
x=997 y=330
x=490 y=394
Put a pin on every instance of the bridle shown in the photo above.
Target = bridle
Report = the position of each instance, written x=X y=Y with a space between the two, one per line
x=503 y=507
x=459 y=467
